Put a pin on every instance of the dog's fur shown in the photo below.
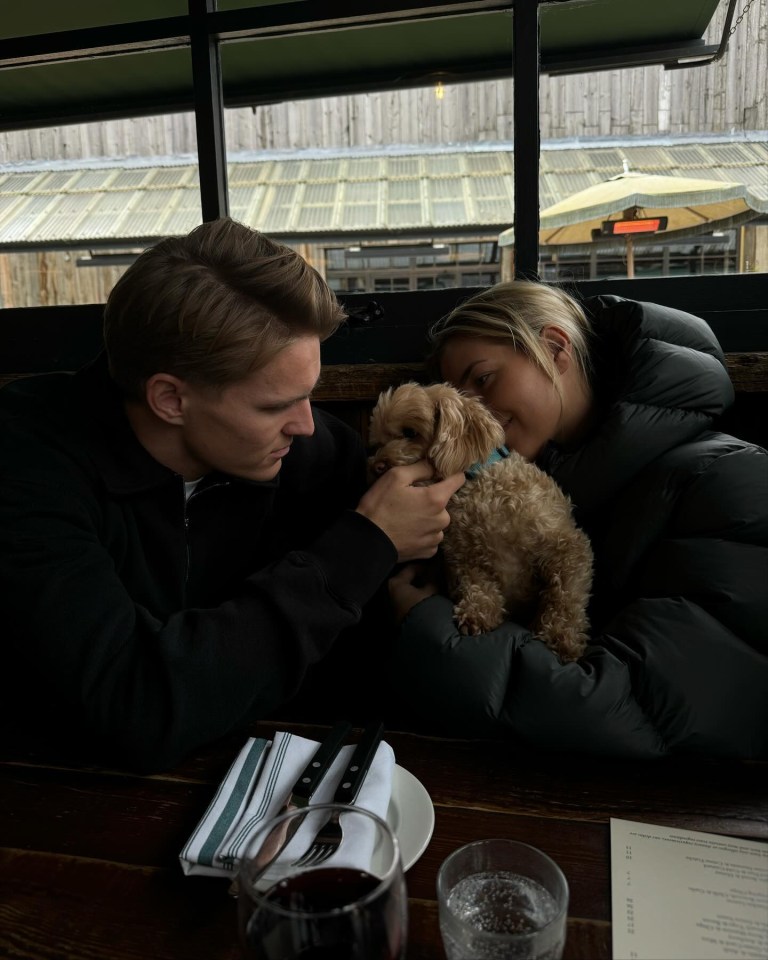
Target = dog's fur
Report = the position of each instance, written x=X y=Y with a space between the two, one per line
x=512 y=547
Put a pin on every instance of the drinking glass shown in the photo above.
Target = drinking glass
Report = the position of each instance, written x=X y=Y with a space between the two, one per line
x=351 y=907
x=502 y=900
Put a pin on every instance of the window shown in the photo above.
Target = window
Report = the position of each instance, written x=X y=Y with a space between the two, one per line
x=432 y=165
x=424 y=266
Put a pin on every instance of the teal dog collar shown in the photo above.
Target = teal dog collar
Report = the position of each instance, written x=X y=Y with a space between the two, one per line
x=500 y=453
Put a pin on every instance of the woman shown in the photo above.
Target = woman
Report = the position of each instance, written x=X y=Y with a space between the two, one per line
x=618 y=401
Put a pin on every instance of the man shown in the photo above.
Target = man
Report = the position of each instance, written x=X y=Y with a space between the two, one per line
x=181 y=534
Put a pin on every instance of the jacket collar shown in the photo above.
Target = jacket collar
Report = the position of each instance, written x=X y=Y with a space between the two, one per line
x=121 y=461
x=124 y=465
x=660 y=382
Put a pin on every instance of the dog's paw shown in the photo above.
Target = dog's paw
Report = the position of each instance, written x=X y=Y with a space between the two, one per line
x=473 y=621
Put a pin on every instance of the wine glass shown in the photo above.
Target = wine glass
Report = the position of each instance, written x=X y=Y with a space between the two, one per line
x=353 y=906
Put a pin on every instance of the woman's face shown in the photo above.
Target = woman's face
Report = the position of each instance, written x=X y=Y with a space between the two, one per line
x=518 y=393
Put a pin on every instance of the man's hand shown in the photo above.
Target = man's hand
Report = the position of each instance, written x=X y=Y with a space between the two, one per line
x=413 y=517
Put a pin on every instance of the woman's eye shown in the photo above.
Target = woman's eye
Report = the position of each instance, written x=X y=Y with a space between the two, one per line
x=409 y=433
x=482 y=380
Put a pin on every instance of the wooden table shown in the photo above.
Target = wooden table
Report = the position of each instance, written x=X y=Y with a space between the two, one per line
x=90 y=864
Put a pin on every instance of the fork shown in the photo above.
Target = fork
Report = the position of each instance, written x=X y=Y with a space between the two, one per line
x=328 y=838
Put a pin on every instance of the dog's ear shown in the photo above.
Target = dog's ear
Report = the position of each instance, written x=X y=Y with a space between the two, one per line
x=378 y=416
x=465 y=431
x=407 y=407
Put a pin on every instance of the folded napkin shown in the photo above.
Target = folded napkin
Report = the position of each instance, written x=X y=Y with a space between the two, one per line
x=255 y=788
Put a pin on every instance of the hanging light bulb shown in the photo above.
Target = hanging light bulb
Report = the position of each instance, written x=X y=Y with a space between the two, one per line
x=439 y=90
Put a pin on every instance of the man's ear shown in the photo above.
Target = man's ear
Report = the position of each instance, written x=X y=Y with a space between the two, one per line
x=560 y=346
x=164 y=396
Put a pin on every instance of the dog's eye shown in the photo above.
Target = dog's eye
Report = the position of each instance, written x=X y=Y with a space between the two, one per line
x=409 y=433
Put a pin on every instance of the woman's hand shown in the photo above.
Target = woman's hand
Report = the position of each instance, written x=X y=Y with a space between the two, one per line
x=410 y=585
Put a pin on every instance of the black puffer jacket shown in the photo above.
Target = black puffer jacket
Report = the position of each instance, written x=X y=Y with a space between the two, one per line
x=678 y=517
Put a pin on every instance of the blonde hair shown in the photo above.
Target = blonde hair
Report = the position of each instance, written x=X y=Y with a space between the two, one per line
x=212 y=307
x=517 y=311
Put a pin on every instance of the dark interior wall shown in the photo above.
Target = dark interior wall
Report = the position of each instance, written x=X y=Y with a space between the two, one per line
x=736 y=307
x=391 y=328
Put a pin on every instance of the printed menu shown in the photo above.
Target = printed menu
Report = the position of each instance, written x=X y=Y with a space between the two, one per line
x=684 y=895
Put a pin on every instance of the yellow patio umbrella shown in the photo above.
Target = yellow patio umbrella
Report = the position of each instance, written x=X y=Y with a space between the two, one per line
x=635 y=204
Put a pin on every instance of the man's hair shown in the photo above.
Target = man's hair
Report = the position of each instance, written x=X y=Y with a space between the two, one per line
x=212 y=307
x=517 y=312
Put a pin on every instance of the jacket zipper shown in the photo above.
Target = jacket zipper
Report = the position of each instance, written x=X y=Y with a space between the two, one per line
x=187 y=558
x=187 y=551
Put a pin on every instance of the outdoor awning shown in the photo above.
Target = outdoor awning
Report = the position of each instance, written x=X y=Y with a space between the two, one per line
x=303 y=48
x=641 y=203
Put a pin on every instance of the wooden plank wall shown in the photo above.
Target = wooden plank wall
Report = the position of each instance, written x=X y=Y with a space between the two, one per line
x=49 y=277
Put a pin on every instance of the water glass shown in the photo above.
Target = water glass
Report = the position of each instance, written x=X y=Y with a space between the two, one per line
x=351 y=907
x=502 y=900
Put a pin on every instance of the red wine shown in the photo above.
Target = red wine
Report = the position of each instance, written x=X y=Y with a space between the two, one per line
x=375 y=931
x=322 y=890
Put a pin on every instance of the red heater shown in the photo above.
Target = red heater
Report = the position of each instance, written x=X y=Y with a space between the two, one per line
x=630 y=226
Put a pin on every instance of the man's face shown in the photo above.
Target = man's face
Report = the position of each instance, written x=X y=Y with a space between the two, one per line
x=247 y=428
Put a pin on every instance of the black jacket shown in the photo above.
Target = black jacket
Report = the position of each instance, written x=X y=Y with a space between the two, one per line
x=678 y=518
x=153 y=623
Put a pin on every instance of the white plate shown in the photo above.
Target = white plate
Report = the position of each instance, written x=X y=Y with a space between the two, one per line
x=411 y=816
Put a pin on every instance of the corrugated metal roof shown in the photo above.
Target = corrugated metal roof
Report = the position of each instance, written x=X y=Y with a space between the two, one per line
x=88 y=203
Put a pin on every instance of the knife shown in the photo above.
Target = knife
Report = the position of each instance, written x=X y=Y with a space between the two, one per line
x=315 y=770
x=300 y=795
x=359 y=764
x=301 y=792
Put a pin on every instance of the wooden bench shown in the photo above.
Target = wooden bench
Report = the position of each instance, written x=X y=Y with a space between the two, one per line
x=350 y=391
